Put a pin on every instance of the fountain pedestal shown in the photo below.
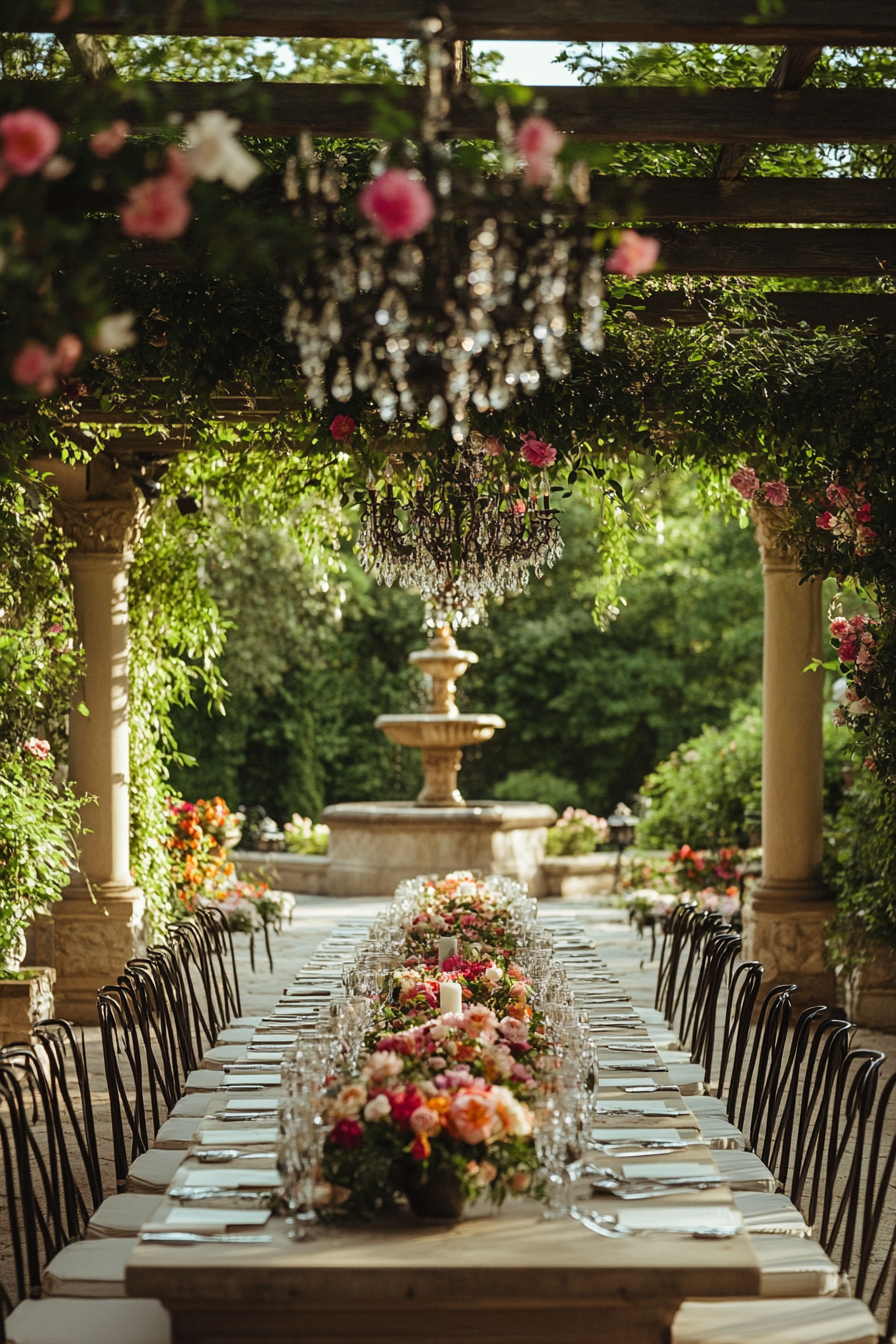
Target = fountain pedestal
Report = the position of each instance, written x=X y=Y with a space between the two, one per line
x=374 y=846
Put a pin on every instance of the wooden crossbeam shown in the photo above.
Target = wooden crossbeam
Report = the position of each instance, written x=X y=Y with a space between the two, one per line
x=791 y=308
x=793 y=68
x=752 y=200
x=829 y=22
x=779 y=252
x=605 y=113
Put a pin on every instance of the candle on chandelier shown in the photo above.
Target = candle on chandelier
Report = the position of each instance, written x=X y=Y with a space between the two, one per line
x=447 y=949
x=449 y=997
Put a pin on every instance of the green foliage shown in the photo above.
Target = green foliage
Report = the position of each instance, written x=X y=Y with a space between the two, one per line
x=860 y=867
x=708 y=794
x=537 y=786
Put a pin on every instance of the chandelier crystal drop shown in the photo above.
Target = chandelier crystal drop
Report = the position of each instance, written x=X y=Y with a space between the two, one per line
x=473 y=308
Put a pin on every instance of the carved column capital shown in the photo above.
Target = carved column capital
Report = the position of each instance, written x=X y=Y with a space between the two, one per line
x=103 y=526
x=770 y=523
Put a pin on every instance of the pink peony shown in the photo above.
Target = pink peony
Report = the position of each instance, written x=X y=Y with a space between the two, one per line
x=745 y=482
x=107 y=142
x=157 y=208
x=35 y=366
x=536 y=452
x=425 y=1121
x=399 y=205
x=29 y=138
x=37 y=747
x=473 y=1117
x=776 y=492
x=538 y=142
x=515 y=1032
x=633 y=255
x=826 y=520
x=342 y=427
x=840 y=627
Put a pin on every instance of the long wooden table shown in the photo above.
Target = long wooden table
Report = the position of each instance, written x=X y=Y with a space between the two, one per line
x=508 y=1275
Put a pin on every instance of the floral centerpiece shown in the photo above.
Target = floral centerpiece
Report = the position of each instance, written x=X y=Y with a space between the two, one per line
x=203 y=875
x=709 y=880
x=438 y=1109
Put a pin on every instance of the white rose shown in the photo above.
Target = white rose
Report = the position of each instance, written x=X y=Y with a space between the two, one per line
x=213 y=151
x=115 y=332
x=494 y=974
x=378 y=1109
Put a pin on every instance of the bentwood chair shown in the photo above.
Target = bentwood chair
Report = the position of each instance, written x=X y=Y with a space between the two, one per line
x=46 y=1259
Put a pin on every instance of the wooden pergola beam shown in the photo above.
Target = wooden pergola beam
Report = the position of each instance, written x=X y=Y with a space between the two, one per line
x=828 y=22
x=609 y=113
x=779 y=252
x=751 y=200
x=791 y=308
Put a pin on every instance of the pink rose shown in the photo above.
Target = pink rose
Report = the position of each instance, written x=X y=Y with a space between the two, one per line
x=826 y=520
x=425 y=1121
x=847 y=650
x=472 y=1117
x=858 y=623
x=157 y=208
x=538 y=142
x=776 y=492
x=29 y=138
x=35 y=366
x=515 y=1032
x=68 y=351
x=840 y=627
x=634 y=254
x=399 y=205
x=494 y=447
x=745 y=482
x=342 y=427
x=37 y=747
x=838 y=494
x=519 y=506
x=536 y=452
x=863 y=513
x=109 y=141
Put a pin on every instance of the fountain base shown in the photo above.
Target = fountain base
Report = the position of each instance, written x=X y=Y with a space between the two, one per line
x=374 y=846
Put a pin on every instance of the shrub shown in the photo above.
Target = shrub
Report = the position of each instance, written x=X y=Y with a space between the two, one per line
x=576 y=832
x=536 y=786
x=860 y=868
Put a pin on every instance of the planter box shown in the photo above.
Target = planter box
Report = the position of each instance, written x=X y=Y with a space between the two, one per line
x=871 y=991
x=305 y=874
x=24 y=1002
x=577 y=875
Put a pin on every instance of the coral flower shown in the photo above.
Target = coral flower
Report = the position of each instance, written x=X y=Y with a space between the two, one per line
x=398 y=204
x=473 y=1117
x=634 y=254
x=29 y=139
x=157 y=208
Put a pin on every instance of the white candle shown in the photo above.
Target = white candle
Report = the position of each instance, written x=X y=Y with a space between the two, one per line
x=447 y=948
x=449 y=997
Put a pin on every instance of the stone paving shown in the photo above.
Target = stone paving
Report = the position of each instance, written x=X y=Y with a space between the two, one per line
x=313 y=916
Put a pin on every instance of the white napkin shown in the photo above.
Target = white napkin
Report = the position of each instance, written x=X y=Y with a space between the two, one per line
x=234 y=1178
x=260 y=1079
x=616 y=1064
x=622 y=1135
x=209 y=1220
x=256 y=1104
x=273 y=1038
x=640 y=1108
x=653 y=1170
x=641 y=1218
x=261 y=1057
x=226 y=1138
x=627 y=1081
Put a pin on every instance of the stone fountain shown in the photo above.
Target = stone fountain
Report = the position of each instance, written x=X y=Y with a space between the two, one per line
x=374 y=846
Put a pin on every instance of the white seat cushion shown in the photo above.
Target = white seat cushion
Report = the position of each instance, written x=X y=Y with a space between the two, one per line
x=60 y=1320
x=721 y=1133
x=744 y=1171
x=89 y=1269
x=203 y=1080
x=708 y=1106
x=195 y=1105
x=762 y=1211
x=176 y=1132
x=151 y=1173
x=824 y=1320
x=222 y=1054
x=794 y=1267
x=122 y=1215
x=235 y=1036
x=245 y=1022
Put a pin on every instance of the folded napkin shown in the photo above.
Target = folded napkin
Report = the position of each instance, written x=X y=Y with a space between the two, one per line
x=212 y=1221
x=626 y=1082
x=652 y=1171
x=274 y=1038
x=637 y=1135
x=259 y=1079
x=644 y=1219
x=640 y=1108
x=232 y=1136
x=256 y=1104
x=234 y=1178
x=261 y=1057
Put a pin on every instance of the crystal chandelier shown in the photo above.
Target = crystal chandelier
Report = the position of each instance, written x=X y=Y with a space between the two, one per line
x=460 y=539
x=445 y=286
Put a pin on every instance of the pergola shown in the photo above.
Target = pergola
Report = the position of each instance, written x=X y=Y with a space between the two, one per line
x=701 y=223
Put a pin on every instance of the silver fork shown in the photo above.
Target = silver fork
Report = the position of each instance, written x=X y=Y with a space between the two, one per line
x=200 y=1239
x=605 y=1225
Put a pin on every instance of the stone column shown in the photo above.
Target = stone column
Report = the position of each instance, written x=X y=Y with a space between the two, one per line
x=99 y=923
x=789 y=904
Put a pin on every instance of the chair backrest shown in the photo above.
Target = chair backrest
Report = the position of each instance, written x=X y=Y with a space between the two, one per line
x=720 y=953
x=757 y=1082
x=878 y=1231
x=66 y=1063
x=743 y=988
x=701 y=929
x=675 y=933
